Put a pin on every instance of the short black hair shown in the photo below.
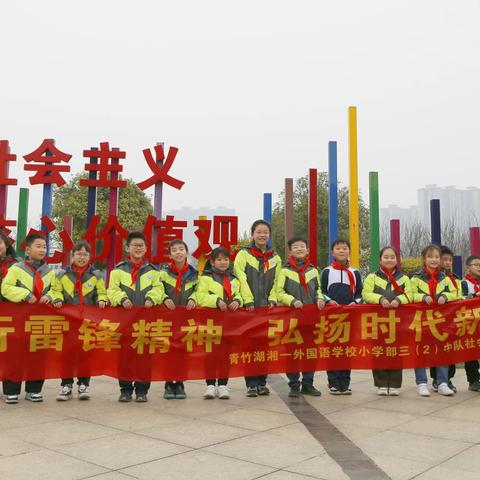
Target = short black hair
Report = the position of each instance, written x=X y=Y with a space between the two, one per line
x=177 y=241
x=471 y=258
x=136 y=235
x=81 y=244
x=256 y=223
x=10 y=251
x=340 y=241
x=29 y=239
x=295 y=240
x=389 y=247
x=216 y=252
x=430 y=248
x=445 y=250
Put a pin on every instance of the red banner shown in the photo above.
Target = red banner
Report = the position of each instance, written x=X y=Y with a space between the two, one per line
x=39 y=341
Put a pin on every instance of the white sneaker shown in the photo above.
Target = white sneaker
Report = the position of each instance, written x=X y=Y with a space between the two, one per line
x=11 y=399
x=423 y=390
x=393 y=392
x=210 y=392
x=382 y=391
x=83 y=392
x=65 y=393
x=223 y=392
x=444 y=389
x=34 y=397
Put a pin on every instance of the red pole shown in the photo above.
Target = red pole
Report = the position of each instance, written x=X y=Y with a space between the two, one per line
x=475 y=240
x=68 y=227
x=395 y=236
x=313 y=216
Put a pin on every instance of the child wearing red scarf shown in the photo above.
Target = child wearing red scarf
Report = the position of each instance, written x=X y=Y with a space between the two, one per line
x=299 y=285
x=342 y=285
x=432 y=286
x=79 y=284
x=389 y=287
x=218 y=288
x=180 y=281
x=135 y=282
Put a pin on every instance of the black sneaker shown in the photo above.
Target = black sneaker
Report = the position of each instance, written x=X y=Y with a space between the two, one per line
x=252 y=392
x=169 y=393
x=345 y=391
x=263 y=390
x=180 y=391
x=334 y=391
x=474 y=386
x=435 y=386
x=294 y=391
x=141 y=398
x=311 y=390
x=451 y=386
x=125 y=397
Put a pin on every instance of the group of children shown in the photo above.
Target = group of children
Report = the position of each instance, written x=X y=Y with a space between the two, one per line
x=257 y=279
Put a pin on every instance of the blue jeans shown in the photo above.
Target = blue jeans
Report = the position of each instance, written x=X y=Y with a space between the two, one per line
x=340 y=379
x=294 y=379
x=421 y=375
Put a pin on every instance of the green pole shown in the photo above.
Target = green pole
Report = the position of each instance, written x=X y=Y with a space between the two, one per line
x=22 y=221
x=374 y=221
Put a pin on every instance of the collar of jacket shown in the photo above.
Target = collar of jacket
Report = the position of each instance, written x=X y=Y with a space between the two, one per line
x=210 y=273
x=70 y=269
x=421 y=273
x=398 y=274
x=125 y=263
x=190 y=272
x=250 y=245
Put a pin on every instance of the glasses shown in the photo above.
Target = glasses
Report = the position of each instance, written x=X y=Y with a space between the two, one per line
x=476 y=265
x=137 y=245
x=77 y=254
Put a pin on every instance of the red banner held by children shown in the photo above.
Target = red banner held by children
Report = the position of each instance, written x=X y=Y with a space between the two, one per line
x=39 y=341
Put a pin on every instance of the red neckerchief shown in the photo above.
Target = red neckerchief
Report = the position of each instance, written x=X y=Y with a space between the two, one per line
x=227 y=285
x=257 y=253
x=135 y=269
x=301 y=271
x=432 y=282
x=179 y=273
x=37 y=281
x=79 y=284
x=391 y=279
x=351 y=275
x=5 y=265
x=475 y=281
x=451 y=276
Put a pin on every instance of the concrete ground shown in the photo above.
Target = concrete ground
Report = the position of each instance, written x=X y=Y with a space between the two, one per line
x=273 y=438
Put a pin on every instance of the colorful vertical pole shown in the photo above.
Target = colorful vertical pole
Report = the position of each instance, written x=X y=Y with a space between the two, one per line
x=395 y=235
x=313 y=216
x=458 y=265
x=203 y=258
x=92 y=192
x=436 y=227
x=22 y=221
x=475 y=241
x=113 y=210
x=332 y=194
x=68 y=227
x=47 y=200
x=6 y=158
x=354 y=217
x=288 y=212
x=158 y=203
x=374 y=221
x=267 y=211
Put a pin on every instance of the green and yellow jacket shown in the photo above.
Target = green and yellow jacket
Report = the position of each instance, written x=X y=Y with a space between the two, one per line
x=290 y=289
x=93 y=286
x=5 y=264
x=445 y=287
x=377 y=286
x=17 y=286
x=257 y=287
x=210 y=290
x=147 y=286
x=187 y=290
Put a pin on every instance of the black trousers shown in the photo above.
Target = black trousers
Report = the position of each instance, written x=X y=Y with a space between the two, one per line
x=80 y=381
x=256 y=381
x=213 y=381
x=127 y=386
x=14 y=388
x=387 y=378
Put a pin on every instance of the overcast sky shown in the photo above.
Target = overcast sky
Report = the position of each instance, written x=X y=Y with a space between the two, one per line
x=251 y=92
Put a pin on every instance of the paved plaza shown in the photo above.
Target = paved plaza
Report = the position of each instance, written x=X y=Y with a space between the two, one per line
x=272 y=438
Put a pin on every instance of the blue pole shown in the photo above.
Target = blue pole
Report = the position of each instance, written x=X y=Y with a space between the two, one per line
x=92 y=192
x=47 y=203
x=458 y=265
x=436 y=228
x=267 y=211
x=333 y=194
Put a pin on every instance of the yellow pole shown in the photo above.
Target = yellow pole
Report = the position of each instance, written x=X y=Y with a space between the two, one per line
x=353 y=211
x=202 y=260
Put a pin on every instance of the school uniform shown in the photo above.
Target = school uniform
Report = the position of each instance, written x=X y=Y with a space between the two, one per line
x=258 y=274
x=179 y=286
x=213 y=286
x=421 y=282
x=79 y=286
x=343 y=284
x=299 y=280
x=23 y=280
x=137 y=283
x=390 y=286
